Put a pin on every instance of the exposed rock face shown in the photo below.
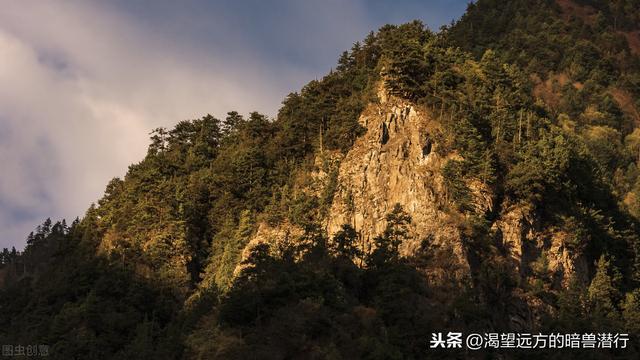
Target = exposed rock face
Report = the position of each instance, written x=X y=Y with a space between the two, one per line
x=395 y=162
x=564 y=263
x=398 y=160
x=525 y=243
x=514 y=231
x=281 y=235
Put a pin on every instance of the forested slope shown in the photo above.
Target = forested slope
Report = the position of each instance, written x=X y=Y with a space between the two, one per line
x=515 y=128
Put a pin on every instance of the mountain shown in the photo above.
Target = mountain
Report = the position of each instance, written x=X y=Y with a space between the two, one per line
x=479 y=179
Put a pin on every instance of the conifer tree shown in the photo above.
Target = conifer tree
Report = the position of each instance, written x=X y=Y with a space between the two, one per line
x=388 y=243
x=345 y=243
x=603 y=292
x=631 y=311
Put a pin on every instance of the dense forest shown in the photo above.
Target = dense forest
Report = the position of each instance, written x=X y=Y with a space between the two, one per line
x=539 y=99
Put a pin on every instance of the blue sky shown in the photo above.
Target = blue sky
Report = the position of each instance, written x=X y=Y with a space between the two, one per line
x=83 y=82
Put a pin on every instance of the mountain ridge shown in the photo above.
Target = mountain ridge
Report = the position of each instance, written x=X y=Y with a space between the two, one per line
x=430 y=182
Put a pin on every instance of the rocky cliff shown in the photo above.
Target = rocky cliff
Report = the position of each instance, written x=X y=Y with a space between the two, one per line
x=399 y=160
x=396 y=162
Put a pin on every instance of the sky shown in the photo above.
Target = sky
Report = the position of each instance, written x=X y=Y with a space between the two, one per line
x=82 y=83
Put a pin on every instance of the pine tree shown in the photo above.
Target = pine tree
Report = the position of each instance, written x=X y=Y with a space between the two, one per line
x=233 y=250
x=5 y=257
x=397 y=230
x=603 y=292
x=388 y=243
x=231 y=123
x=631 y=311
x=158 y=141
x=571 y=304
x=345 y=243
